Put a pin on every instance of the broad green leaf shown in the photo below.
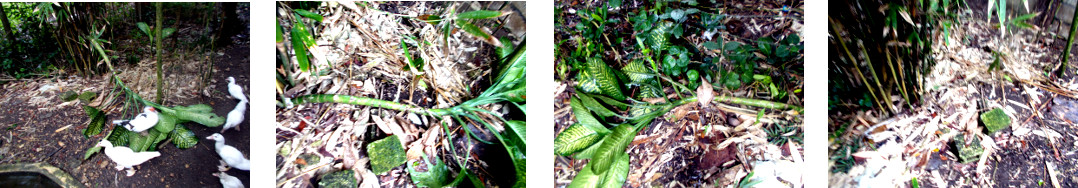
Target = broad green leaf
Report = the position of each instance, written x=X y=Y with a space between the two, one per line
x=165 y=123
x=712 y=46
x=97 y=121
x=386 y=154
x=618 y=172
x=594 y=106
x=167 y=32
x=183 y=138
x=119 y=136
x=603 y=78
x=574 y=138
x=309 y=14
x=519 y=130
x=195 y=108
x=139 y=143
x=425 y=173
x=90 y=152
x=589 y=152
x=587 y=178
x=636 y=72
x=145 y=28
x=194 y=113
x=481 y=14
x=300 y=48
x=613 y=145
x=583 y=116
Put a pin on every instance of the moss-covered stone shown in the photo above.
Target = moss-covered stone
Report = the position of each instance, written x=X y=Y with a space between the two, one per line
x=995 y=120
x=968 y=153
x=68 y=96
x=339 y=179
x=386 y=154
x=87 y=96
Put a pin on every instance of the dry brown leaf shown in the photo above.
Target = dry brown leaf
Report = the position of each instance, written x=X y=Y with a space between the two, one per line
x=704 y=93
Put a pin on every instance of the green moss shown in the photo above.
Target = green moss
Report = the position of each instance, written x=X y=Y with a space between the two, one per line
x=339 y=179
x=386 y=154
x=68 y=95
x=995 y=120
x=968 y=153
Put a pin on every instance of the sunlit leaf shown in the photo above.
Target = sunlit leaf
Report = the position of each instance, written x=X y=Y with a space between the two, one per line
x=309 y=14
x=613 y=145
x=482 y=14
x=478 y=33
x=574 y=138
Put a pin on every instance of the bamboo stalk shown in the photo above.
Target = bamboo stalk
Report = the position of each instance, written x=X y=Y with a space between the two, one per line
x=849 y=55
x=1070 y=42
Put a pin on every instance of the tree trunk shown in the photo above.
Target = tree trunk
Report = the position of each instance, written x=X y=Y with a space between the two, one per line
x=230 y=26
x=7 y=26
x=157 y=39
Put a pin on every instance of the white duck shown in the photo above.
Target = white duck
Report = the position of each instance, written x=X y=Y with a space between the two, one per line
x=228 y=181
x=235 y=117
x=235 y=90
x=125 y=158
x=229 y=155
x=148 y=118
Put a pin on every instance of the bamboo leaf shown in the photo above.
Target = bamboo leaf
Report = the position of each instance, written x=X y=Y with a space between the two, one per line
x=280 y=33
x=300 y=48
x=309 y=14
x=574 y=138
x=482 y=14
x=478 y=33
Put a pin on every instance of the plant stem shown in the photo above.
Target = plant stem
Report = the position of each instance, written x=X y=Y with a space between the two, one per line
x=157 y=38
x=348 y=99
x=1070 y=42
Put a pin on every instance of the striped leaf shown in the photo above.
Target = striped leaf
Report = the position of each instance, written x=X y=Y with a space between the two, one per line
x=183 y=138
x=586 y=178
x=604 y=78
x=583 y=116
x=613 y=146
x=636 y=72
x=618 y=172
x=574 y=138
x=594 y=106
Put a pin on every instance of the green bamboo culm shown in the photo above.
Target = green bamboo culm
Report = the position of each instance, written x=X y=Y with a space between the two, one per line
x=364 y=101
x=1070 y=42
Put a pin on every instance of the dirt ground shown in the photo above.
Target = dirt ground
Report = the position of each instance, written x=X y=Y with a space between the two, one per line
x=1041 y=135
x=40 y=127
x=365 y=60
